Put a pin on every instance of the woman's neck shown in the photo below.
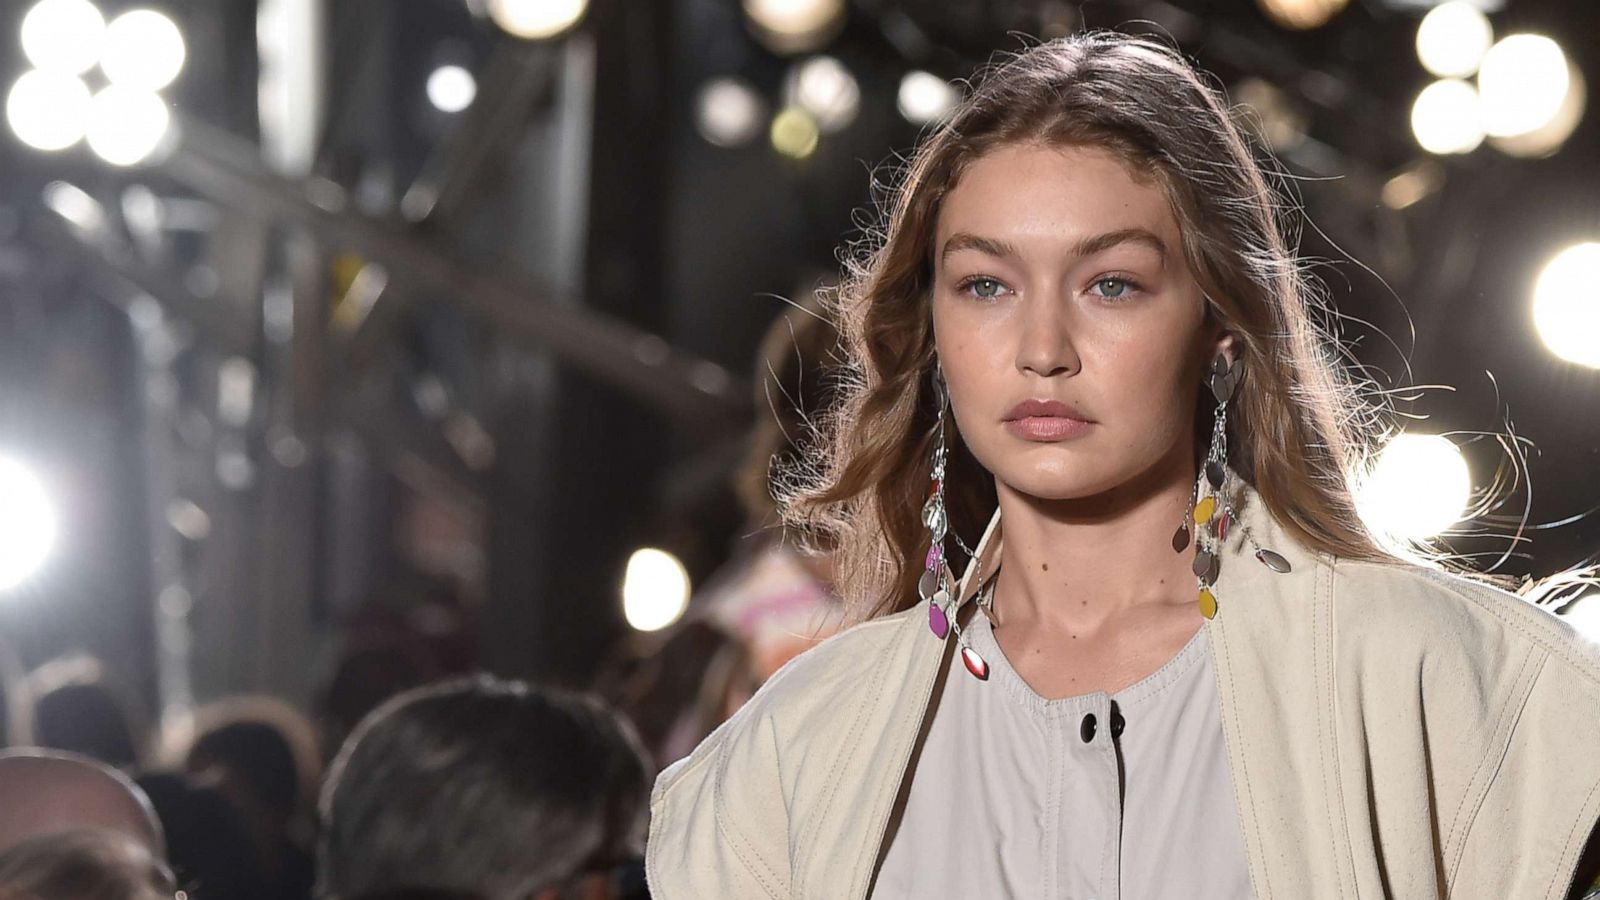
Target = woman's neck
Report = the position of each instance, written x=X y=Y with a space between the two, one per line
x=1077 y=564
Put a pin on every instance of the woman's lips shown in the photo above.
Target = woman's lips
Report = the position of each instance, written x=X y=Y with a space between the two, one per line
x=1047 y=428
x=1038 y=419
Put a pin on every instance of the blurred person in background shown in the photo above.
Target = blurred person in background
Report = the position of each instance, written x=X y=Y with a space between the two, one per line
x=209 y=846
x=482 y=789
x=75 y=709
x=262 y=755
x=83 y=864
x=677 y=687
x=375 y=665
x=771 y=600
x=779 y=599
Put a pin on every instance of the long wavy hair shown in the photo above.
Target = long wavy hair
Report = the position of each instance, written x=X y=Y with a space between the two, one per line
x=1300 y=423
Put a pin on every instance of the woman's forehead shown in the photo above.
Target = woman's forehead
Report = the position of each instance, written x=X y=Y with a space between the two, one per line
x=1047 y=195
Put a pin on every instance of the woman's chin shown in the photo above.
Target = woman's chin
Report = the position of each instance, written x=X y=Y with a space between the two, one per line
x=1057 y=486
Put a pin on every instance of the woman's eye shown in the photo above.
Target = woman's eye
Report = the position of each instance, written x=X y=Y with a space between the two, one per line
x=982 y=288
x=1122 y=287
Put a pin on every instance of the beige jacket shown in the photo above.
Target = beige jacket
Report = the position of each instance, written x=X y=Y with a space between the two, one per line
x=1391 y=732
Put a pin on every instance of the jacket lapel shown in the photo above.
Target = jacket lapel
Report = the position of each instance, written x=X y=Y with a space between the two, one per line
x=1272 y=649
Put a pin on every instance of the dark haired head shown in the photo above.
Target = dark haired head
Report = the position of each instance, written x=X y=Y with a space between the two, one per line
x=482 y=788
x=85 y=717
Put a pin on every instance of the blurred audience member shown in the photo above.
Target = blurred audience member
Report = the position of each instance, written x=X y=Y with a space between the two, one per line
x=45 y=792
x=772 y=600
x=486 y=789
x=262 y=755
x=374 y=667
x=75 y=710
x=208 y=844
x=83 y=864
x=677 y=691
x=777 y=598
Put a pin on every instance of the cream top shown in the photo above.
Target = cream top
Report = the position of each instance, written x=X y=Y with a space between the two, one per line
x=1092 y=797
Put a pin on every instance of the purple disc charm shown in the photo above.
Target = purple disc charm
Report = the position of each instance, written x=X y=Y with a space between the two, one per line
x=935 y=556
x=938 y=622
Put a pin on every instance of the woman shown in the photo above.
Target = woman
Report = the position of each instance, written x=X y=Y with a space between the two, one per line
x=1194 y=672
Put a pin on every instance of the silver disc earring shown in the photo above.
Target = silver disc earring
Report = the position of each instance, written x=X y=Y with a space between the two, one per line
x=1210 y=511
x=937 y=585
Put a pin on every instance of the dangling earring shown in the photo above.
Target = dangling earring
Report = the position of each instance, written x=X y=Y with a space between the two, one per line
x=1211 y=512
x=937 y=585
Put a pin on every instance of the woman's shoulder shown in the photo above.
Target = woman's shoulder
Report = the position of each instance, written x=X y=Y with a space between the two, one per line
x=1435 y=609
x=720 y=816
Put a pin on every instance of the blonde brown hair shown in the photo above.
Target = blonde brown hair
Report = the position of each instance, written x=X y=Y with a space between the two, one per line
x=1298 y=426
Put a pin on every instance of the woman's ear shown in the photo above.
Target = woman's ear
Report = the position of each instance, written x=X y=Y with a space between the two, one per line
x=1225 y=345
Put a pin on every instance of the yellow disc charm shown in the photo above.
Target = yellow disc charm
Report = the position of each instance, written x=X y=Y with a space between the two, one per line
x=1204 y=510
x=1208 y=603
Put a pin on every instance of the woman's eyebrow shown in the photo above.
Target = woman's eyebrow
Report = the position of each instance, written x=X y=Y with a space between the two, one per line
x=1088 y=246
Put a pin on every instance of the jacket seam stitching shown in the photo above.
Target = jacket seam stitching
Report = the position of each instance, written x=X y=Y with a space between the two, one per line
x=875 y=846
x=1585 y=666
x=706 y=752
x=1509 y=719
x=1483 y=777
x=736 y=842
x=1325 y=598
x=1242 y=784
x=1577 y=838
x=852 y=739
x=658 y=815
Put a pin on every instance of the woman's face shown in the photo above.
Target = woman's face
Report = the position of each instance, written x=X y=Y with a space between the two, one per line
x=1059 y=278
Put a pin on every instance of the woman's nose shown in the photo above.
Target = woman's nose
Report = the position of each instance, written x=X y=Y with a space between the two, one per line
x=1045 y=346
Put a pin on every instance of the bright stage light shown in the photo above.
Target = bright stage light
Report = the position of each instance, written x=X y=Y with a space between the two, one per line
x=1418 y=487
x=1447 y=117
x=729 y=112
x=655 y=590
x=1533 y=95
x=925 y=97
x=48 y=110
x=536 y=19
x=451 y=88
x=1584 y=615
x=27 y=523
x=1301 y=15
x=823 y=87
x=795 y=26
x=793 y=133
x=143 y=49
x=1524 y=81
x=63 y=36
x=1566 y=305
x=128 y=126
x=1452 y=39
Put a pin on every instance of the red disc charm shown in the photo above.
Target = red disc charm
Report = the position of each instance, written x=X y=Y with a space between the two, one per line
x=1223 y=523
x=975 y=663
